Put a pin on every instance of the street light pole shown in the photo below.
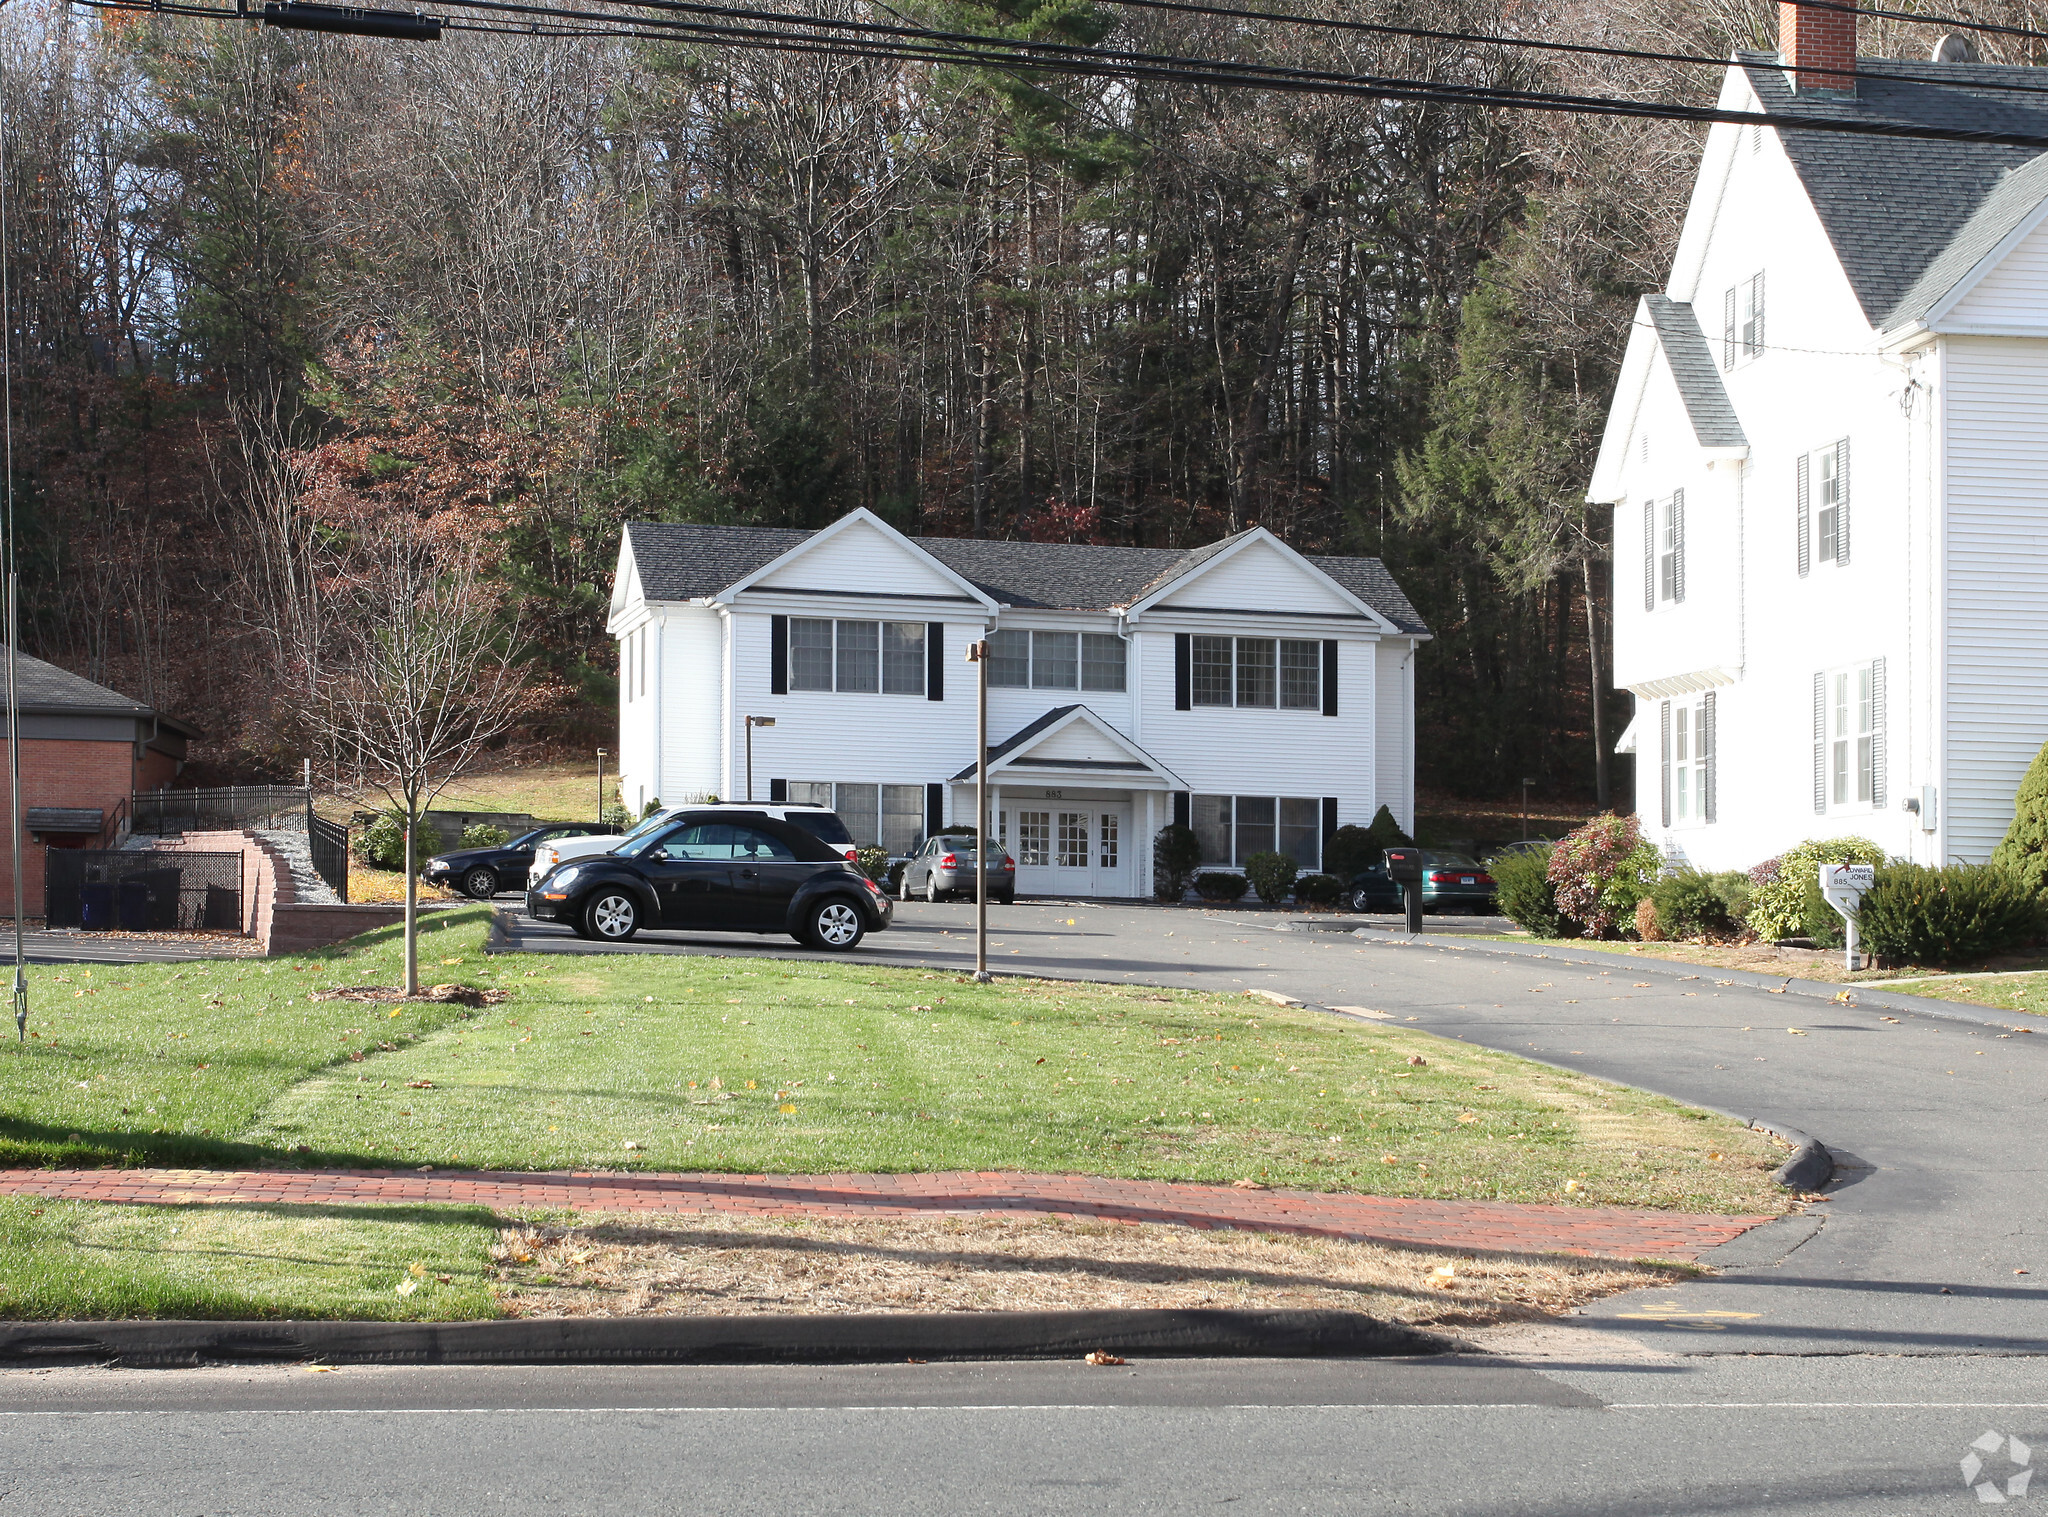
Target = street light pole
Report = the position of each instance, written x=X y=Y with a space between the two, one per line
x=977 y=654
x=600 y=787
x=1525 y=809
x=752 y=723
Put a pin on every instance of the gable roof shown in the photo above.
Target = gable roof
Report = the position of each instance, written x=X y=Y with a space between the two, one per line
x=1137 y=761
x=1892 y=206
x=45 y=689
x=681 y=561
x=1694 y=371
x=2004 y=211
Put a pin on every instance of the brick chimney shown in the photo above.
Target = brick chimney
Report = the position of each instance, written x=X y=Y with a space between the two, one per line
x=1812 y=38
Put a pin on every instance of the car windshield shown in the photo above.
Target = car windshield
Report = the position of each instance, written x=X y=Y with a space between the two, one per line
x=647 y=825
x=823 y=825
x=528 y=839
x=1447 y=861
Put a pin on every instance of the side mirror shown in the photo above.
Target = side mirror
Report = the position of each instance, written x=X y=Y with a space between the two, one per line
x=1404 y=865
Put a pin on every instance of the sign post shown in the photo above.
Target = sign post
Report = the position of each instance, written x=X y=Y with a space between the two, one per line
x=977 y=655
x=1843 y=887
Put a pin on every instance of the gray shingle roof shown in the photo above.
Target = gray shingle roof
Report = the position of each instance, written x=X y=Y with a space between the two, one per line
x=2002 y=211
x=679 y=561
x=1892 y=205
x=1694 y=371
x=44 y=688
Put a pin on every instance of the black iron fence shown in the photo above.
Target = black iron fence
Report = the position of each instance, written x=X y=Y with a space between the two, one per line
x=328 y=843
x=143 y=890
x=165 y=813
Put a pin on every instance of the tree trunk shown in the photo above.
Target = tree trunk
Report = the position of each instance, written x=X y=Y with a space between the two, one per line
x=1600 y=760
x=412 y=902
x=1252 y=436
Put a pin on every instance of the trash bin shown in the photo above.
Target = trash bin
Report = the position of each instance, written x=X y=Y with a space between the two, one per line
x=223 y=908
x=96 y=906
x=134 y=905
x=163 y=886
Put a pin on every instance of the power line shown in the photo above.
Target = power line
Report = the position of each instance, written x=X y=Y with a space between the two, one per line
x=924 y=44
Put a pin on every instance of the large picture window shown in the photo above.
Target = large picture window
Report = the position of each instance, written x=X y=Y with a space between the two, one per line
x=1043 y=660
x=1257 y=672
x=856 y=657
x=1231 y=828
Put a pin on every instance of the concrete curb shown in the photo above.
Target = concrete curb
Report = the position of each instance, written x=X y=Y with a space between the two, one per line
x=880 y=1338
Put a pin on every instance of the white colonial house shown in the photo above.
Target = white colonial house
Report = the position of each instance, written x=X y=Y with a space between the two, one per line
x=1828 y=462
x=1260 y=695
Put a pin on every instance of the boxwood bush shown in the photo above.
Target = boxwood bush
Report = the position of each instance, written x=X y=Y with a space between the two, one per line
x=1318 y=889
x=1271 y=875
x=1524 y=894
x=1219 y=886
x=1918 y=915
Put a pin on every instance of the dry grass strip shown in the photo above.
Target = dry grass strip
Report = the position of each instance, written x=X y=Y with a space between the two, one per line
x=616 y=1267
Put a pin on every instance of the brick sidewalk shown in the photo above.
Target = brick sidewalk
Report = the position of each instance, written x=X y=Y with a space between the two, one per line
x=1484 y=1225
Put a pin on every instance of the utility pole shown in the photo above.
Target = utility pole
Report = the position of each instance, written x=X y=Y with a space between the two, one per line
x=752 y=723
x=977 y=654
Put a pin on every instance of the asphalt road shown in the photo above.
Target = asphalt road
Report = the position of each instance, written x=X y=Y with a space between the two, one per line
x=1855 y=1437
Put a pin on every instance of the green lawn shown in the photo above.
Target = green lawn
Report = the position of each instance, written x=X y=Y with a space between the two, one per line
x=71 y=1259
x=756 y=1065
x=2025 y=993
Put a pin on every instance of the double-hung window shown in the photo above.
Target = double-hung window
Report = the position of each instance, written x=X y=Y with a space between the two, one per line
x=1052 y=660
x=856 y=657
x=1851 y=737
x=1742 y=322
x=1231 y=828
x=1664 y=551
x=1688 y=763
x=885 y=816
x=1286 y=673
x=1823 y=490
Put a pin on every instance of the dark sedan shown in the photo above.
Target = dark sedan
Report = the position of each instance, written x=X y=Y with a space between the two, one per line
x=1450 y=882
x=483 y=872
x=722 y=871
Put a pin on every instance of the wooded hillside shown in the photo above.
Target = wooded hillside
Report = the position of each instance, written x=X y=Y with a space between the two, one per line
x=270 y=287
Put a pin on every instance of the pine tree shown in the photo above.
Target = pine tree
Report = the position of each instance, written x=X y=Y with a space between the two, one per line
x=2025 y=848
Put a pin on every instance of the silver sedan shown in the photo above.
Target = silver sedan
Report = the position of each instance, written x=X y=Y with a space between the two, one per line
x=944 y=866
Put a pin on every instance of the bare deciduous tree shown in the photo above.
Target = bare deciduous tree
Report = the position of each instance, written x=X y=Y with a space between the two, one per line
x=417 y=675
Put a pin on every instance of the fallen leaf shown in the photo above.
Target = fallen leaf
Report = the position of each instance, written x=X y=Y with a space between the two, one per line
x=1417 y=1060
x=419 y=1084
x=1795 y=1032
x=1571 y=1185
x=631 y=1145
x=407 y=1286
x=1642 y=984
x=788 y=1109
x=1246 y=1185
x=1098 y=1357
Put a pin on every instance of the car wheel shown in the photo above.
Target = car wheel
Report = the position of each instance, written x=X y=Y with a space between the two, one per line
x=1007 y=900
x=480 y=884
x=835 y=924
x=903 y=887
x=611 y=916
x=932 y=894
x=1360 y=901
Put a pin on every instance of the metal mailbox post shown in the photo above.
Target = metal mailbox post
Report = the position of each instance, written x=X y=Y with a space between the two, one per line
x=1404 y=868
x=1843 y=887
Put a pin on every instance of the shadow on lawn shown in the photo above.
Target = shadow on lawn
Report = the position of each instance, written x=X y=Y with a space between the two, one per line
x=25 y=1143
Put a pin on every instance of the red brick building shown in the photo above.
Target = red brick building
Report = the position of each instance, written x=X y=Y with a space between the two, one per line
x=84 y=750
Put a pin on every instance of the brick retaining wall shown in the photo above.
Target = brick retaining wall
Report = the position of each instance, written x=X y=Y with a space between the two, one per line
x=273 y=914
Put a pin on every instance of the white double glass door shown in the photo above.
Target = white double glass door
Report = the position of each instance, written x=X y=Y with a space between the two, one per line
x=1074 y=848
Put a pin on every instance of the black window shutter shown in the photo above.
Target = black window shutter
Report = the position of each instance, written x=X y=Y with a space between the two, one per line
x=1877 y=734
x=1710 y=757
x=1329 y=687
x=1183 y=676
x=1820 y=744
x=1329 y=824
x=1678 y=545
x=778 y=655
x=1756 y=302
x=934 y=804
x=934 y=661
x=778 y=790
x=1180 y=808
x=1805 y=522
x=1649 y=555
x=1842 y=502
x=1664 y=719
x=1728 y=330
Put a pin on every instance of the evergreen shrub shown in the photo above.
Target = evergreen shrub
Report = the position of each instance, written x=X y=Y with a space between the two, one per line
x=874 y=862
x=1918 y=915
x=1349 y=853
x=485 y=835
x=1317 y=889
x=1217 y=885
x=1688 y=905
x=1176 y=852
x=1524 y=894
x=382 y=843
x=1386 y=833
x=1271 y=875
x=2024 y=850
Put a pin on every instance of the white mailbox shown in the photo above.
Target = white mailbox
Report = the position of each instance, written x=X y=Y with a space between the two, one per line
x=1843 y=887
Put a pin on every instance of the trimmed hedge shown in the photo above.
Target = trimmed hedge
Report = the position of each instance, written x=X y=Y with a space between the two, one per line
x=1689 y=906
x=1218 y=886
x=1318 y=889
x=1349 y=853
x=1918 y=915
x=1271 y=875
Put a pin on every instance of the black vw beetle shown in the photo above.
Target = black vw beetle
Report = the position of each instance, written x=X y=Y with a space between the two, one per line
x=483 y=872
x=717 y=871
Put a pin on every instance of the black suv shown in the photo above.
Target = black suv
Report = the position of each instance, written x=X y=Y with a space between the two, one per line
x=483 y=872
x=718 y=871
